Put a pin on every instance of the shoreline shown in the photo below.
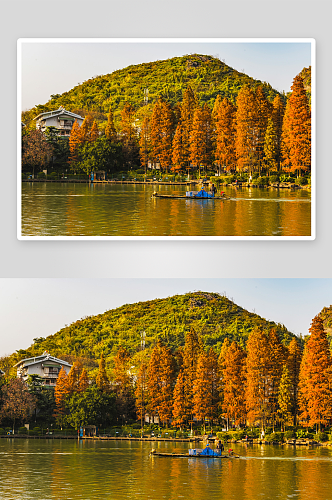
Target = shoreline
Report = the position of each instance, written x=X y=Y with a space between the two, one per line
x=174 y=183
x=290 y=442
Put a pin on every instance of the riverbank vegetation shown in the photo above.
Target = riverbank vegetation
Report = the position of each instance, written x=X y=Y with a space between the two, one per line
x=244 y=128
x=264 y=384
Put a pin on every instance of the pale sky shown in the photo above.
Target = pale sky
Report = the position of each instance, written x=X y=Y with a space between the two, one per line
x=40 y=307
x=56 y=67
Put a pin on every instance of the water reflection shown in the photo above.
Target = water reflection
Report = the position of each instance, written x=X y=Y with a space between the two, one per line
x=40 y=469
x=55 y=209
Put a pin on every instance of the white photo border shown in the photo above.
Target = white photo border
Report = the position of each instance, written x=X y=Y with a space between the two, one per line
x=312 y=41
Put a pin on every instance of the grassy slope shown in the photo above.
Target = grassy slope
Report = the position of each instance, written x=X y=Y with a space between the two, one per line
x=211 y=314
x=208 y=77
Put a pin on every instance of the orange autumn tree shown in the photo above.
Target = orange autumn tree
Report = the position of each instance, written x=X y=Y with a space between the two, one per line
x=296 y=132
x=261 y=113
x=258 y=378
x=179 y=400
x=83 y=381
x=188 y=106
x=123 y=383
x=110 y=131
x=233 y=382
x=141 y=390
x=191 y=352
x=206 y=387
x=277 y=116
x=245 y=141
x=315 y=396
x=160 y=383
x=166 y=123
x=224 y=122
x=61 y=391
x=275 y=365
x=75 y=141
x=285 y=398
x=144 y=142
x=128 y=134
x=94 y=132
x=201 y=137
x=179 y=155
x=294 y=363
x=86 y=128
x=221 y=366
x=102 y=380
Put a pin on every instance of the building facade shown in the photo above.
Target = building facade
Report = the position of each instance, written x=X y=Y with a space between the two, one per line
x=46 y=366
x=61 y=119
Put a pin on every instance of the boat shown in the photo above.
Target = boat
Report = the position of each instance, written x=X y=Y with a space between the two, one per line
x=154 y=453
x=189 y=197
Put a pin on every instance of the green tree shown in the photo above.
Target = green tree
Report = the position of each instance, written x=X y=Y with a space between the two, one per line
x=91 y=407
x=100 y=155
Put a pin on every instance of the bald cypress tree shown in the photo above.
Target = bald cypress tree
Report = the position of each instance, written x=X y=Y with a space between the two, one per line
x=271 y=147
x=233 y=381
x=285 y=397
x=60 y=394
x=277 y=117
x=145 y=142
x=179 y=154
x=261 y=111
x=110 y=131
x=160 y=377
x=128 y=135
x=258 y=378
x=94 y=132
x=296 y=132
x=294 y=363
x=102 y=380
x=245 y=142
x=191 y=352
x=315 y=396
x=75 y=141
x=205 y=388
x=224 y=113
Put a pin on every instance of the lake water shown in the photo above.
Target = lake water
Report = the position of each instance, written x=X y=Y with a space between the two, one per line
x=68 y=209
x=123 y=470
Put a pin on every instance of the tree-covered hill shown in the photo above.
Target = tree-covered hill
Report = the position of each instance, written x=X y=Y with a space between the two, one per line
x=326 y=315
x=212 y=315
x=306 y=75
x=207 y=76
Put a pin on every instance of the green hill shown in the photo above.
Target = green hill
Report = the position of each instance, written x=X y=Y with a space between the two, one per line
x=214 y=316
x=326 y=315
x=207 y=75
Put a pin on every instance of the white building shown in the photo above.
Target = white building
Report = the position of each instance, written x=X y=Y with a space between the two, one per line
x=46 y=366
x=60 y=118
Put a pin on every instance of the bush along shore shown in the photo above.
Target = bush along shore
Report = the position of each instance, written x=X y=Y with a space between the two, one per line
x=300 y=437
x=282 y=181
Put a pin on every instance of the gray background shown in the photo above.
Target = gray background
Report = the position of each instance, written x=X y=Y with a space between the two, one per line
x=79 y=18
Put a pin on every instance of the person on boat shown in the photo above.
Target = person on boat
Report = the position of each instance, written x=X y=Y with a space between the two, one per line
x=220 y=446
x=202 y=193
x=213 y=190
